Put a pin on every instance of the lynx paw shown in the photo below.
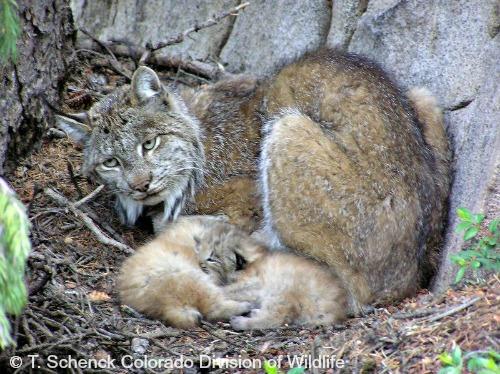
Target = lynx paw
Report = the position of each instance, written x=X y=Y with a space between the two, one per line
x=228 y=309
x=184 y=318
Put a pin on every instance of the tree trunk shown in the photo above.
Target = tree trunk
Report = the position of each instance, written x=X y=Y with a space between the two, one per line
x=33 y=80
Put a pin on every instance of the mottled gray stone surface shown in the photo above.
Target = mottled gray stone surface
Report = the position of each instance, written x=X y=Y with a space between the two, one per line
x=271 y=32
x=142 y=21
x=438 y=44
x=345 y=15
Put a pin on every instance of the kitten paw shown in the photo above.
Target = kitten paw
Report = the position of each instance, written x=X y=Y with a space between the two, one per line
x=239 y=323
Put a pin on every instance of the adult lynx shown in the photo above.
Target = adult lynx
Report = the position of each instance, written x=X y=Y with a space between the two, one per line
x=352 y=172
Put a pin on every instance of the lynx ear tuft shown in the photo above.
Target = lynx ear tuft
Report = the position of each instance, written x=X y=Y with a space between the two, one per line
x=78 y=131
x=145 y=84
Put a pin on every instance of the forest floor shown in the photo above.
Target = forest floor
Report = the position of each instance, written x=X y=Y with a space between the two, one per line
x=74 y=310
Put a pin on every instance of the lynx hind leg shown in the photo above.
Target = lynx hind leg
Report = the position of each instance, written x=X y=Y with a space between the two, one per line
x=307 y=180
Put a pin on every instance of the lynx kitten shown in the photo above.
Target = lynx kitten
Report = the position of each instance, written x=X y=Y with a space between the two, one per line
x=283 y=288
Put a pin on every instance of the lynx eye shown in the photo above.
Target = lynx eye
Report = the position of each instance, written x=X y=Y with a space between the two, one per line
x=111 y=163
x=212 y=260
x=151 y=144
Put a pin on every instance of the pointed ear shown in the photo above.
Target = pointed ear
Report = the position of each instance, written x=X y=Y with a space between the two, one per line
x=78 y=131
x=145 y=84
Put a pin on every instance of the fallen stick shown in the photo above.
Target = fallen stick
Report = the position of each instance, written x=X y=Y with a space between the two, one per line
x=136 y=52
x=453 y=310
x=90 y=196
x=115 y=64
x=87 y=221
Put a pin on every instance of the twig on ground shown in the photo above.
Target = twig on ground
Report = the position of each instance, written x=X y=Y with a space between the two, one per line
x=416 y=313
x=208 y=328
x=89 y=197
x=115 y=64
x=453 y=310
x=103 y=238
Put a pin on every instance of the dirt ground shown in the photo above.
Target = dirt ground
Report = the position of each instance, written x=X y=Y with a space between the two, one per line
x=73 y=310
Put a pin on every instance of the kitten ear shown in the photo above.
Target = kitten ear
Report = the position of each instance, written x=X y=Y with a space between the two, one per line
x=240 y=262
x=76 y=130
x=197 y=242
x=145 y=84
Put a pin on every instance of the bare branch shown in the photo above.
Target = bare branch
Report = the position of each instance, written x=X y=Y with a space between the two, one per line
x=135 y=52
x=113 y=61
x=87 y=221
x=90 y=196
x=179 y=38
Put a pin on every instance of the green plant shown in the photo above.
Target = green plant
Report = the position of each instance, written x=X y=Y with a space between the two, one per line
x=9 y=29
x=452 y=362
x=481 y=253
x=477 y=362
x=14 y=249
x=271 y=369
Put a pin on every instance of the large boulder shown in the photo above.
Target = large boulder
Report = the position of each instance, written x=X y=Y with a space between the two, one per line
x=140 y=22
x=269 y=33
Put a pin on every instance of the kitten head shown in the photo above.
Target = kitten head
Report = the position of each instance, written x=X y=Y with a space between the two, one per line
x=224 y=250
x=143 y=144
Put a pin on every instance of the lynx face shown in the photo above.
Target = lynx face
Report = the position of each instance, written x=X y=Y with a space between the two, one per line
x=142 y=143
x=224 y=250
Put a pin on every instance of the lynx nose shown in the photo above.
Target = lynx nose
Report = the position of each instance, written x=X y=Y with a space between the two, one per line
x=140 y=183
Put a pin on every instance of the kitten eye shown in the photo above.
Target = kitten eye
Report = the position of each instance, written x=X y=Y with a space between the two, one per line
x=151 y=143
x=211 y=260
x=111 y=163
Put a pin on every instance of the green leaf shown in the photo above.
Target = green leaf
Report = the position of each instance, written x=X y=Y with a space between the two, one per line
x=471 y=232
x=460 y=274
x=477 y=363
x=270 y=369
x=495 y=355
x=493 y=226
x=296 y=371
x=464 y=214
x=449 y=370
x=456 y=355
x=490 y=240
x=475 y=264
x=478 y=218
x=445 y=358
x=462 y=226
x=458 y=259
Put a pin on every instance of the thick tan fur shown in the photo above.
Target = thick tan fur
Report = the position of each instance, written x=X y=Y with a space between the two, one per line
x=284 y=288
x=164 y=280
x=352 y=172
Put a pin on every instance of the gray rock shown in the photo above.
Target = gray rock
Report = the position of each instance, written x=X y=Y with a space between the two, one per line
x=345 y=15
x=268 y=33
x=438 y=44
x=475 y=135
x=139 y=345
x=142 y=21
